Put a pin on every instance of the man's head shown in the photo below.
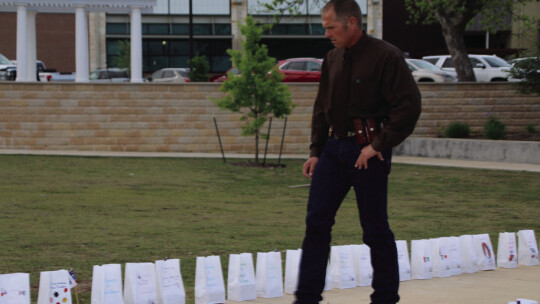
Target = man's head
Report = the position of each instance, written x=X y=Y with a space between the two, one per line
x=342 y=20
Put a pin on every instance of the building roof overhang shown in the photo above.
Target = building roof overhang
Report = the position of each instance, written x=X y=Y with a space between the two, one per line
x=68 y=6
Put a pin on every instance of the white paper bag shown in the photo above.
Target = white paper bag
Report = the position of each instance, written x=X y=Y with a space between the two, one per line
x=507 y=250
x=440 y=258
x=292 y=268
x=54 y=287
x=421 y=266
x=140 y=283
x=484 y=251
x=107 y=284
x=209 y=285
x=241 y=284
x=170 y=287
x=269 y=275
x=362 y=265
x=469 y=260
x=328 y=278
x=403 y=261
x=454 y=253
x=342 y=269
x=15 y=288
x=527 y=248
x=526 y=301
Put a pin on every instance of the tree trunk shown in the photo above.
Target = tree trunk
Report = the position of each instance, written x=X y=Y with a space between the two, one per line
x=453 y=35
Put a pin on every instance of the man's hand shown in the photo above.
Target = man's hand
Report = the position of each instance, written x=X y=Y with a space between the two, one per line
x=309 y=166
x=366 y=153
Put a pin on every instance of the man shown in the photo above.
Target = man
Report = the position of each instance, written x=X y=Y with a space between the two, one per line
x=367 y=103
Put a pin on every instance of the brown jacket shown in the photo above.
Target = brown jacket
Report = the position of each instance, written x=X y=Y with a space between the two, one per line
x=371 y=79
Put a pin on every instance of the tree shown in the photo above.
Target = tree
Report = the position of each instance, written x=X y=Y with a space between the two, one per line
x=123 y=59
x=198 y=68
x=257 y=92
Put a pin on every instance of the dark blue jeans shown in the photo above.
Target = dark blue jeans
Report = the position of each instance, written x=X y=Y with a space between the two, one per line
x=333 y=177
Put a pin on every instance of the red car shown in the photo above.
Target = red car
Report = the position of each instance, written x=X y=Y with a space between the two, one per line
x=300 y=69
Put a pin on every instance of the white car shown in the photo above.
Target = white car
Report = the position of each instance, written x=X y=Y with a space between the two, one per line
x=180 y=75
x=487 y=68
x=424 y=71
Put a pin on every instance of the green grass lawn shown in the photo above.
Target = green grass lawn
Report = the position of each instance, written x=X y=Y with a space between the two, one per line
x=76 y=212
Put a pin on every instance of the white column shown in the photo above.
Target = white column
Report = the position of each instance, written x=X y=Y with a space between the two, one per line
x=136 y=45
x=238 y=15
x=81 y=45
x=374 y=18
x=31 y=45
x=22 y=43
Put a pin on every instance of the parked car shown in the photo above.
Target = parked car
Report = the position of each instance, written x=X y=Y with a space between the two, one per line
x=300 y=69
x=223 y=77
x=424 y=71
x=8 y=70
x=109 y=75
x=486 y=68
x=170 y=75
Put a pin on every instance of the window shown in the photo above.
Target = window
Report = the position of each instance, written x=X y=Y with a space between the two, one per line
x=118 y=28
x=168 y=74
x=297 y=66
x=313 y=66
x=155 y=28
x=448 y=63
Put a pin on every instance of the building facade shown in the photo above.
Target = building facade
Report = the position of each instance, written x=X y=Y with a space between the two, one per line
x=168 y=38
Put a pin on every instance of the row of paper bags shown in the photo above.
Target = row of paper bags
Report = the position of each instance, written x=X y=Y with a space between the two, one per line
x=349 y=266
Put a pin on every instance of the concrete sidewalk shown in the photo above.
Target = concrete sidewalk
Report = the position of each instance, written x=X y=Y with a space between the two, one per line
x=443 y=162
x=499 y=286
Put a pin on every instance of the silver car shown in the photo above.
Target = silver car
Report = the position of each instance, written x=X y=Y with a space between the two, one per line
x=424 y=71
x=180 y=75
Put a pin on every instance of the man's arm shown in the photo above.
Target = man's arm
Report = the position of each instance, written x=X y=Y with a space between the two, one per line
x=309 y=166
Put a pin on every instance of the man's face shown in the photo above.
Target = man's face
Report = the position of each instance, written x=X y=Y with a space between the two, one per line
x=340 y=36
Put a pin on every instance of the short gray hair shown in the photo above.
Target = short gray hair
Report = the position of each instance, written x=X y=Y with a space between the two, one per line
x=344 y=9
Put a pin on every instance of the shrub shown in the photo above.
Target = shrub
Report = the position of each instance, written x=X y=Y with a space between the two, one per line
x=494 y=129
x=198 y=68
x=531 y=129
x=457 y=130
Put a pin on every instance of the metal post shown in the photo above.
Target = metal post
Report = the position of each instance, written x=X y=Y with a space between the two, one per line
x=219 y=139
x=190 y=29
x=267 y=139
x=282 y=139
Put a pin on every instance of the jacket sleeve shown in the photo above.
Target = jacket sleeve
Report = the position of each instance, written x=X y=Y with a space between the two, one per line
x=319 y=124
x=400 y=92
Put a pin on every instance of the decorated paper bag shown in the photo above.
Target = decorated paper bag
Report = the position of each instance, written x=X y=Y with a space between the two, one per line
x=209 y=285
x=241 y=285
x=107 y=284
x=342 y=267
x=403 y=261
x=421 y=267
x=469 y=260
x=507 y=250
x=15 y=288
x=362 y=265
x=454 y=254
x=439 y=258
x=140 y=283
x=527 y=248
x=170 y=287
x=484 y=252
x=268 y=275
x=292 y=267
x=54 y=287
x=526 y=301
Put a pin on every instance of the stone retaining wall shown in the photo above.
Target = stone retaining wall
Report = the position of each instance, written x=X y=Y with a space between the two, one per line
x=179 y=117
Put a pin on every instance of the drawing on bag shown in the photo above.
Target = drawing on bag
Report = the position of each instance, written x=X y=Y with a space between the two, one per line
x=486 y=250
